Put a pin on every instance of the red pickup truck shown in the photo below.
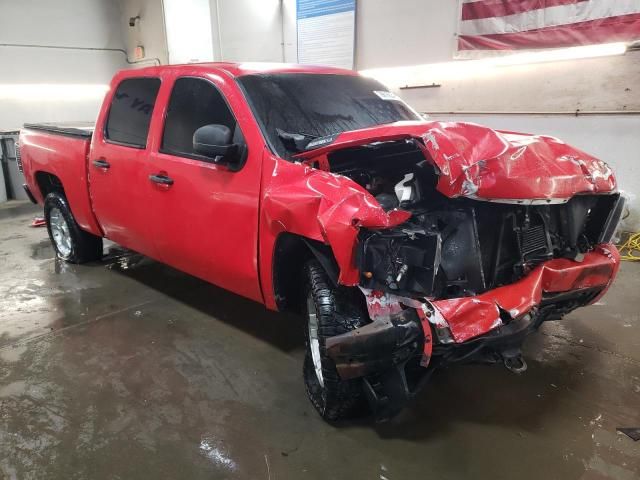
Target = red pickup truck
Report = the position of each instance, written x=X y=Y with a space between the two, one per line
x=407 y=244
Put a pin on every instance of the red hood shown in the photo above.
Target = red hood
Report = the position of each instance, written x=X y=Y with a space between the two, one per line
x=478 y=162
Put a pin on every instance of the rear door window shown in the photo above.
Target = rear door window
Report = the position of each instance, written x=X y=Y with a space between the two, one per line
x=130 y=111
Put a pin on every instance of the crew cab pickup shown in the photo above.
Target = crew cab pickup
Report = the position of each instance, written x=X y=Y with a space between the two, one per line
x=406 y=244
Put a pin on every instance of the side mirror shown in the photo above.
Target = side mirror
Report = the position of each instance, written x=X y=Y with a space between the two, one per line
x=214 y=141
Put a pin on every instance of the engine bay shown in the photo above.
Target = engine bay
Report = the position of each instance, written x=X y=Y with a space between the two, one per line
x=456 y=247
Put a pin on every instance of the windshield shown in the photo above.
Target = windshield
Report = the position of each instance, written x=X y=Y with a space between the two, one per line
x=296 y=108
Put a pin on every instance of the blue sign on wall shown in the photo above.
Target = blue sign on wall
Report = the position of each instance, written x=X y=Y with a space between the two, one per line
x=326 y=32
x=318 y=8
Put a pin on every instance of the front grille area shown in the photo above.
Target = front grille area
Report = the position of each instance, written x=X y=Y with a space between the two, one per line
x=462 y=247
x=513 y=239
x=533 y=241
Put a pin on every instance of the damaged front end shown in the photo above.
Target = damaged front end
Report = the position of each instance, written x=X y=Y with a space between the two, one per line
x=497 y=237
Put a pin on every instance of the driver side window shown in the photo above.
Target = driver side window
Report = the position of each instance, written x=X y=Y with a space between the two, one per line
x=194 y=102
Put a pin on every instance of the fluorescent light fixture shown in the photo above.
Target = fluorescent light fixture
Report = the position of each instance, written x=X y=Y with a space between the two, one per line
x=435 y=72
x=559 y=54
x=52 y=92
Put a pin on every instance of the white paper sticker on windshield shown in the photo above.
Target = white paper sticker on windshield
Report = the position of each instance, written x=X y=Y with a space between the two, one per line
x=384 y=95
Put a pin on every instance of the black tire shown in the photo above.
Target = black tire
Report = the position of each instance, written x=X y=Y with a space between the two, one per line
x=84 y=247
x=338 y=310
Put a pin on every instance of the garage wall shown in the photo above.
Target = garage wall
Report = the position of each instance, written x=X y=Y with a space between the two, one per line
x=411 y=32
x=404 y=32
x=148 y=32
x=289 y=31
x=241 y=30
x=38 y=84
x=250 y=30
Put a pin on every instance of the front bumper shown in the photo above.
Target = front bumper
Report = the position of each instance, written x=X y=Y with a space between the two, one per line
x=400 y=324
x=462 y=319
x=400 y=335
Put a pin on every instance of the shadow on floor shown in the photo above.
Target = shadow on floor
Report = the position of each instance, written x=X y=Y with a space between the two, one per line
x=283 y=331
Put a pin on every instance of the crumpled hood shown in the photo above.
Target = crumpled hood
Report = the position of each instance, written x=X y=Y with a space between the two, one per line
x=478 y=162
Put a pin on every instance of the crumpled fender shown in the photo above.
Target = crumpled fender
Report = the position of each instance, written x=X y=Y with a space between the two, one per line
x=478 y=162
x=326 y=207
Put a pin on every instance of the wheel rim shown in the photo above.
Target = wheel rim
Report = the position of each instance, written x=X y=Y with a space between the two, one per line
x=60 y=232
x=314 y=341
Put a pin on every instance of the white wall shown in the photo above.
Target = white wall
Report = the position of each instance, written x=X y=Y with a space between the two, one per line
x=149 y=31
x=593 y=84
x=289 y=31
x=250 y=30
x=404 y=32
x=236 y=30
x=188 y=30
x=77 y=23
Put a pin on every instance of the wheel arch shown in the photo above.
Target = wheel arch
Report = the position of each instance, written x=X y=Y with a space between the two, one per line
x=290 y=253
x=76 y=194
x=48 y=183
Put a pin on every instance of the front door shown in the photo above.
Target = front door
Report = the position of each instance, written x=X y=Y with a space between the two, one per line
x=118 y=166
x=206 y=215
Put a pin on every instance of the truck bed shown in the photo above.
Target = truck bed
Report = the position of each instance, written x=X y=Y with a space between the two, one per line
x=59 y=154
x=74 y=129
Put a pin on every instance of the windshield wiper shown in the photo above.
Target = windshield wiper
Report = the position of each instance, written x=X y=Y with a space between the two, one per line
x=295 y=142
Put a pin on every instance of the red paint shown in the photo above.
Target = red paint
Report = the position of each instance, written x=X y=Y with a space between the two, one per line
x=622 y=28
x=479 y=162
x=380 y=305
x=469 y=317
x=64 y=157
x=206 y=222
x=427 y=349
x=501 y=8
x=222 y=226
x=38 y=222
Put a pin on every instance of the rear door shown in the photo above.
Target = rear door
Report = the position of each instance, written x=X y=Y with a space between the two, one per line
x=118 y=165
x=206 y=219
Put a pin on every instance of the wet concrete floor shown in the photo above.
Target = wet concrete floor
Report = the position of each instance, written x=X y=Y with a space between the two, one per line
x=129 y=369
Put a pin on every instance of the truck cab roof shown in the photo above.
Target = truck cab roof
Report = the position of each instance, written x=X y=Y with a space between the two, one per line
x=239 y=69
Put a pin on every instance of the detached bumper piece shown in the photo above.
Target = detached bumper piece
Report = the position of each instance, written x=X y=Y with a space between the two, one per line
x=379 y=352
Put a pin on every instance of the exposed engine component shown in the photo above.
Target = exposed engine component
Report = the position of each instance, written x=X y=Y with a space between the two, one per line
x=465 y=247
x=461 y=247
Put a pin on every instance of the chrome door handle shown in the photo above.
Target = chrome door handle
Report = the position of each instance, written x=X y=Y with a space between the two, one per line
x=161 y=179
x=101 y=163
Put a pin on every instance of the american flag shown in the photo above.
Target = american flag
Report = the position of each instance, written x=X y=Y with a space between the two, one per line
x=490 y=25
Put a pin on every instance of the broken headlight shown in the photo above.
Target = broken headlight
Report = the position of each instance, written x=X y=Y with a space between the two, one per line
x=401 y=259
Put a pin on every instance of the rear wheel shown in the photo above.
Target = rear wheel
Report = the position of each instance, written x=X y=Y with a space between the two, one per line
x=330 y=311
x=71 y=243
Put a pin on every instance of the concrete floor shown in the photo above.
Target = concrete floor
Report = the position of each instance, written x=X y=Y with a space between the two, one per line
x=130 y=369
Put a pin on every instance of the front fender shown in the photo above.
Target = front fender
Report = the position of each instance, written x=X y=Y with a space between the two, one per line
x=325 y=207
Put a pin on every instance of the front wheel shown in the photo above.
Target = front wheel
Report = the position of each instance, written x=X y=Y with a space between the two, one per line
x=330 y=311
x=71 y=243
